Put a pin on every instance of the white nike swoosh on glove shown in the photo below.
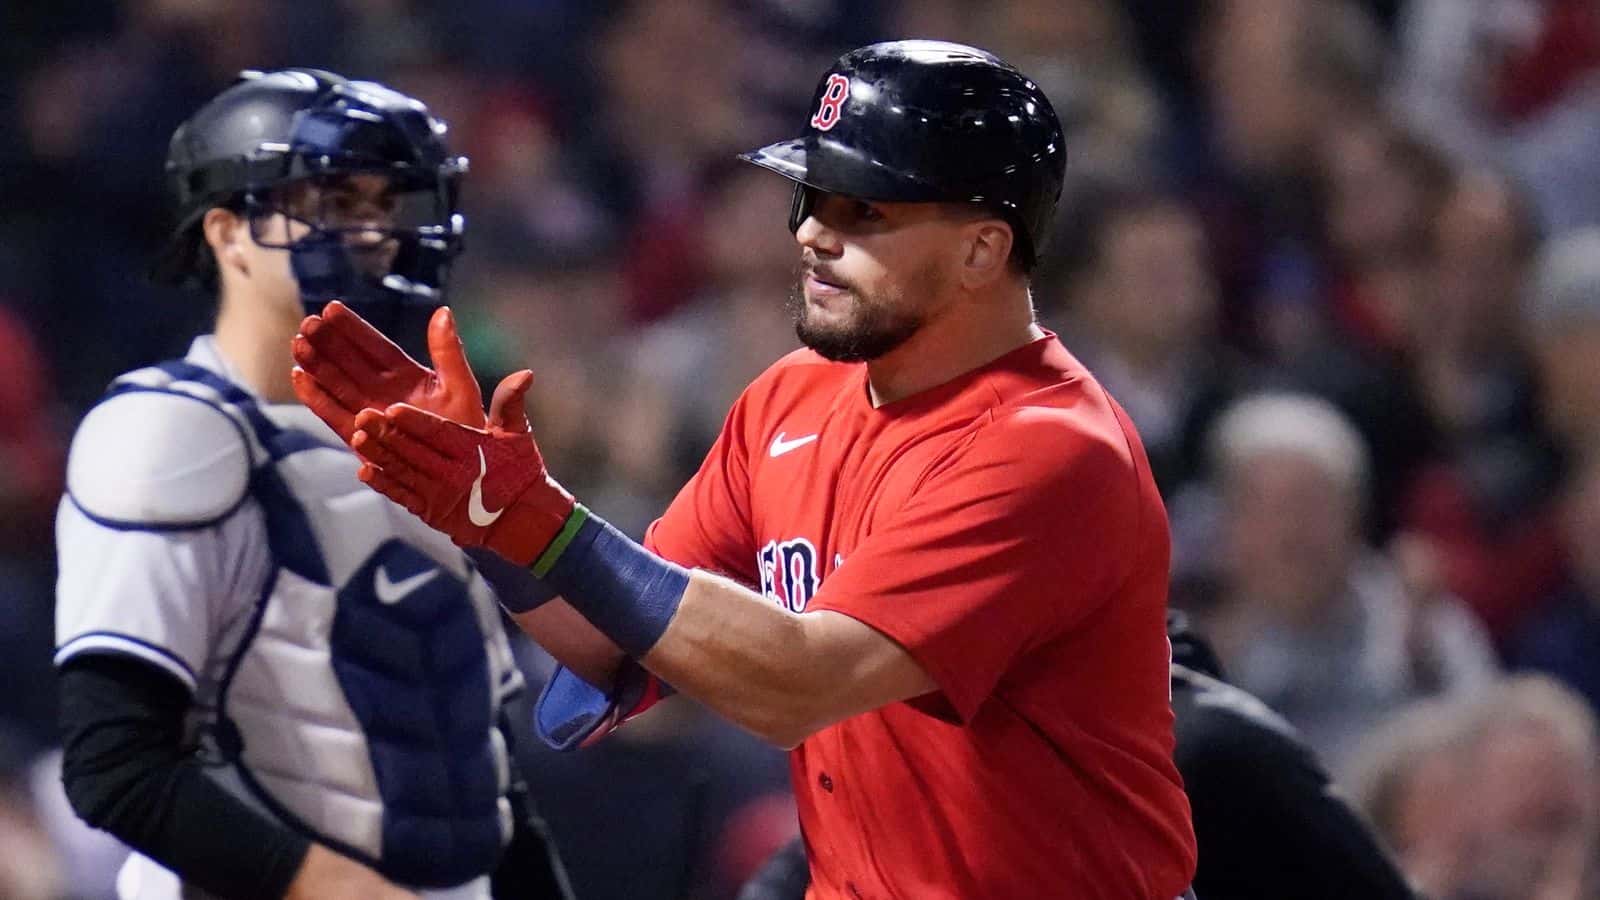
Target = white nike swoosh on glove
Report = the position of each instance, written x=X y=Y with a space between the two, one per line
x=481 y=517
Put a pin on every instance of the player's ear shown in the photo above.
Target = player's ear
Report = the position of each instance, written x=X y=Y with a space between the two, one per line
x=987 y=249
x=225 y=233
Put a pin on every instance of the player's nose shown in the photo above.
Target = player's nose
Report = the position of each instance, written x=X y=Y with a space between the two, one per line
x=818 y=238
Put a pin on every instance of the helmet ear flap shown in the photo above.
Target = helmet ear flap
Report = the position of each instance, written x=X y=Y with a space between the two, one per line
x=805 y=198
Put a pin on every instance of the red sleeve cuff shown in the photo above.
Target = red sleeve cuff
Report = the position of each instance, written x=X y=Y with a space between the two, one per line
x=958 y=700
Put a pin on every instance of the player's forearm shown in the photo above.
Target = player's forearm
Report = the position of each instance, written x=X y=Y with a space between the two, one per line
x=566 y=635
x=743 y=657
x=734 y=652
x=562 y=631
x=780 y=675
x=758 y=665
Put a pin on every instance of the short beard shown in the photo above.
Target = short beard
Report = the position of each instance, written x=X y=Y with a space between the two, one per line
x=872 y=330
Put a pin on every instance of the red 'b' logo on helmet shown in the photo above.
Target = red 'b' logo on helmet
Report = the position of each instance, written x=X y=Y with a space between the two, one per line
x=833 y=97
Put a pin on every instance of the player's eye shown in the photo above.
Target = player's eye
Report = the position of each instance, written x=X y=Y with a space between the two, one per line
x=353 y=208
x=866 y=212
x=348 y=203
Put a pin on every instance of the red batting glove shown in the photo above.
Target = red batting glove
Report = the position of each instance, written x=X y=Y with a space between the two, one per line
x=344 y=365
x=484 y=487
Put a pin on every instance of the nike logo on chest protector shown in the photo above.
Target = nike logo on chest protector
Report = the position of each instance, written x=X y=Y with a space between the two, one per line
x=392 y=592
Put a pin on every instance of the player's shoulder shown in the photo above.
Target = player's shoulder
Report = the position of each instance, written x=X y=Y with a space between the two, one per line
x=804 y=365
x=796 y=374
x=1056 y=406
x=1044 y=436
x=158 y=457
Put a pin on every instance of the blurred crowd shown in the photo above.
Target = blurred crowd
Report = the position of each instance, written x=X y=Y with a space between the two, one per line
x=1340 y=261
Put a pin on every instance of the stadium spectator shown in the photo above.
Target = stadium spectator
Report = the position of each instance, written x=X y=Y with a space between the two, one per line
x=1510 y=82
x=1484 y=501
x=1141 y=304
x=1565 y=322
x=1318 y=625
x=684 y=371
x=31 y=461
x=1409 y=777
x=29 y=866
x=1081 y=52
x=1563 y=629
x=1491 y=797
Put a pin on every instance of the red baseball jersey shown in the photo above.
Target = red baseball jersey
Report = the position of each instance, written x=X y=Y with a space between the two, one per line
x=1003 y=528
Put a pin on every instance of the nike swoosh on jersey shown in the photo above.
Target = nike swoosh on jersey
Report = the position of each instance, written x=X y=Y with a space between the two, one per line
x=780 y=446
x=481 y=517
x=392 y=592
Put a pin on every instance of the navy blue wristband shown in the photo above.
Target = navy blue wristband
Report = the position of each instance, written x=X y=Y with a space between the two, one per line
x=624 y=590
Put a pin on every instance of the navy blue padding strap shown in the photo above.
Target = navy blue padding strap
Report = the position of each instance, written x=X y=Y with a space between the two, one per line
x=183 y=370
x=289 y=532
x=415 y=674
x=280 y=442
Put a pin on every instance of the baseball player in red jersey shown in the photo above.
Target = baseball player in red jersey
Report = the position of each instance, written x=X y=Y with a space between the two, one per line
x=926 y=552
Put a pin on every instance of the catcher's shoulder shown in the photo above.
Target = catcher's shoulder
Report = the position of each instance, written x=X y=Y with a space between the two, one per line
x=158 y=458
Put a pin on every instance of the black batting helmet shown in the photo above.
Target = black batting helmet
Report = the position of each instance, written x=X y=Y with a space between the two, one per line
x=929 y=121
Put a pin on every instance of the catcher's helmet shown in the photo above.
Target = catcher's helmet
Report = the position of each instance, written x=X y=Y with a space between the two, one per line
x=272 y=130
x=929 y=121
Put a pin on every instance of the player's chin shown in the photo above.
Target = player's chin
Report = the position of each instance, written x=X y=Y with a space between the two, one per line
x=832 y=336
x=830 y=319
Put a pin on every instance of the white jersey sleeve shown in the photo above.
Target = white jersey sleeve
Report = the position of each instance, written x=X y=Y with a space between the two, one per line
x=159 y=548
